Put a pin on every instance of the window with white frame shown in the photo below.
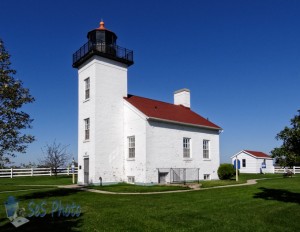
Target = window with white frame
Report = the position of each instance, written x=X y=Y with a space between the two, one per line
x=86 y=129
x=87 y=88
x=186 y=147
x=206 y=176
x=130 y=179
x=205 y=149
x=131 y=147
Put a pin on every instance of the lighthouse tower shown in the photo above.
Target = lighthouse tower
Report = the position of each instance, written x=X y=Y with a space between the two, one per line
x=102 y=85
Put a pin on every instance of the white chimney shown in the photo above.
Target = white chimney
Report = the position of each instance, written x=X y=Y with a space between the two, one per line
x=182 y=97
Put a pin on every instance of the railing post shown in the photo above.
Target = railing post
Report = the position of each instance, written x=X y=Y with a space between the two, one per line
x=11 y=173
x=50 y=172
x=68 y=171
x=294 y=169
x=31 y=171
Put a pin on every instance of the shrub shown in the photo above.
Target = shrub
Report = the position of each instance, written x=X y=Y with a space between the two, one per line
x=226 y=171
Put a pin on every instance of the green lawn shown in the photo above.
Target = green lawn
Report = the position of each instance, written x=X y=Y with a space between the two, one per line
x=18 y=183
x=270 y=205
x=130 y=188
x=242 y=179
x=37 y=180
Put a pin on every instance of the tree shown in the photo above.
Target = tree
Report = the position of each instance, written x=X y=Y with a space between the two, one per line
x=13 y=121
x=289 y=152
x=55 y=156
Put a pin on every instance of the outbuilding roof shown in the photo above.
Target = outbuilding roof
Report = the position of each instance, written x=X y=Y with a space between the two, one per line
x=258 y=154
x=255 y=154
x=163 y=111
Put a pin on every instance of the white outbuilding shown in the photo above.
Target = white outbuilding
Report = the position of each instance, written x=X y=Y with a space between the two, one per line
x=128 y=138
x=253 y=162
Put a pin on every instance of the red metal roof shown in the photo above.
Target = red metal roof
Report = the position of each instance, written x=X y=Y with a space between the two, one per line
x=165 y=111
x=258 y=154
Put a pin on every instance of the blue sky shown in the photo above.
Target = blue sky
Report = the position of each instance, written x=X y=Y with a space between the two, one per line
x=240 y=59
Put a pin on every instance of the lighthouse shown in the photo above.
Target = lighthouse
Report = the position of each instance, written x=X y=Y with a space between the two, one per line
x=102 y=86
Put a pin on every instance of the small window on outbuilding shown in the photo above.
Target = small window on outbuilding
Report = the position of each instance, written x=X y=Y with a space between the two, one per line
x=244 y=163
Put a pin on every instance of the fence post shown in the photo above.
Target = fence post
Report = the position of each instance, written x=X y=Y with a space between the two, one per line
x=68 y=171
x=31 y=171
x=294 y=169
x=11 y=173
x=50 y=172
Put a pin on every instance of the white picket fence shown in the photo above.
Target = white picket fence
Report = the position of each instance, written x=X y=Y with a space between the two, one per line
x=282 y=170
x=17 y=172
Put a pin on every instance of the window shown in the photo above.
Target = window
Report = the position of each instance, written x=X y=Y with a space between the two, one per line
x=264 y=164
x=206 y=176
x=87 y=88
x=205 y=149
x=130 y=179
x=244 y=163
x=186 y=147
x=131 y=147
x=87 y=129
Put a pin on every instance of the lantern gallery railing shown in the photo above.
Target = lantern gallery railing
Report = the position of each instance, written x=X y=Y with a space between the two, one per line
x=110 y=51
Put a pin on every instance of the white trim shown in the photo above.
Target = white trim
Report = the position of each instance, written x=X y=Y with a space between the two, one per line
x=183 y=123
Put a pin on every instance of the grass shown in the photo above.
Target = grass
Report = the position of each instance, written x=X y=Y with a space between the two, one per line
x=242 y=179
x=37 y=180
x=19 y=183
x=270 y=205
x=129 y=188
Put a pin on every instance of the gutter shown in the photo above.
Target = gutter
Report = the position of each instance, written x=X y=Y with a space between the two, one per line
x=185 y=124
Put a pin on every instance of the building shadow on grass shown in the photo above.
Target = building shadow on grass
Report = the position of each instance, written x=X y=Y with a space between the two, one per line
x=278 y=195
x=59 y=192
x=47 y=223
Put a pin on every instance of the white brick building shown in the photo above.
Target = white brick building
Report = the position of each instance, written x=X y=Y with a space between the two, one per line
x=128 y=138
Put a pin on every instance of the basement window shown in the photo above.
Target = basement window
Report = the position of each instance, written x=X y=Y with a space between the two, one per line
x=131 y=179
x=206 y=176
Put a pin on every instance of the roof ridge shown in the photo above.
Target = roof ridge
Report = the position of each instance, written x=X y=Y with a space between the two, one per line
x=131 y=95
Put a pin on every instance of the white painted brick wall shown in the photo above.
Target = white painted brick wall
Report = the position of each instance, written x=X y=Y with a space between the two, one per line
x=135 y=124
x=165 y=149
x=108 y=86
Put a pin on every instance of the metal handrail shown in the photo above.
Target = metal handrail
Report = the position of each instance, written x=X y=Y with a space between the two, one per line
x=114 y=51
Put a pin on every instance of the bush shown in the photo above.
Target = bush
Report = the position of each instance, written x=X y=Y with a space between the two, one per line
x=226 y=171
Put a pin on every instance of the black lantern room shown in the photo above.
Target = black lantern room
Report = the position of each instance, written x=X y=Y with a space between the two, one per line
x=102 y=42
x=102 y=35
